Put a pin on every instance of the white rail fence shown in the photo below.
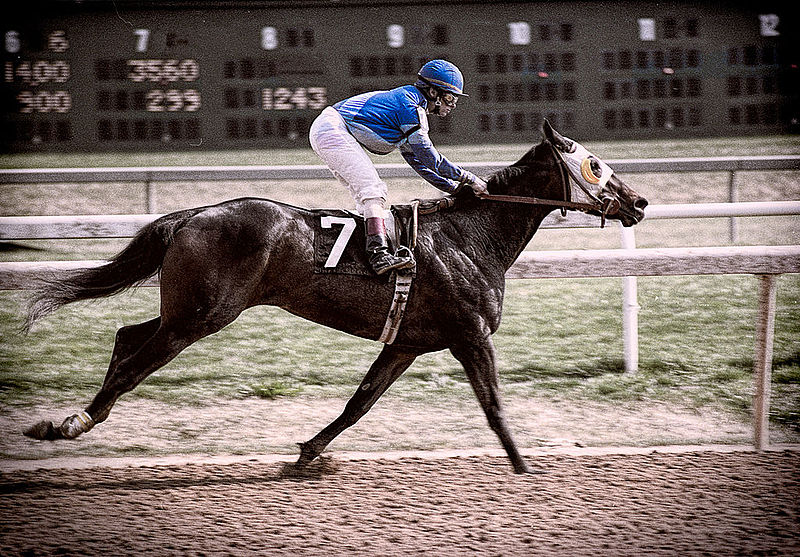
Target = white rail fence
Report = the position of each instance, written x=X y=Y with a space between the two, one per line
x=149 y=175
x=766 y=262
x=144 y=174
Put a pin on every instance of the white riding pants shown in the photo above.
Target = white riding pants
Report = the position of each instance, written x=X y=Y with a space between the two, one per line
x=348 y=161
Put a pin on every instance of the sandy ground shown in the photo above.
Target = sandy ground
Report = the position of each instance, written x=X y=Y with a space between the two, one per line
x=85 y=497
x=255 y=426
x=689 y=503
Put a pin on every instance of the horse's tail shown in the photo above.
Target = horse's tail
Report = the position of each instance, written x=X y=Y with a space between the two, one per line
x=138 y=261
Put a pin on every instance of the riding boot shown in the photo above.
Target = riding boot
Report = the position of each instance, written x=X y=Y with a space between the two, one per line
x=380 y=258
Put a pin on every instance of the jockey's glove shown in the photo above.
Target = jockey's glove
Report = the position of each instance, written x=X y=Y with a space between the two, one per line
x=475 y=183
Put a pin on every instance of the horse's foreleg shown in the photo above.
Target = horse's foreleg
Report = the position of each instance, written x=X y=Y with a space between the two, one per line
x=390 y=365
x=480 y=364
x=128 y=340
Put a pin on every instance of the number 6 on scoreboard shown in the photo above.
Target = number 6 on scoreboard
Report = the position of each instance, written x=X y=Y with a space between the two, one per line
x=348 y=225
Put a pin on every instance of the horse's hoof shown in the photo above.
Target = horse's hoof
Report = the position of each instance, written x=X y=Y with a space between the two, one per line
x=44 y=431
x=523 y=467
x=530 y=470
x=76 y=425
x=536 y=471
x=306 y=455
x=307 y=469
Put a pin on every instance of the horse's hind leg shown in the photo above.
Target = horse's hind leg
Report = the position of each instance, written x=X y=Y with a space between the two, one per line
x=124 y=374
x=140 y=350
x=128 y=340
x=192 y=306
x=390 y=365
x=187 y=316
x=127 y=373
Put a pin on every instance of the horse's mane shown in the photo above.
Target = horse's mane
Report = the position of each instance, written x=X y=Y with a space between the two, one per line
x=500 y=180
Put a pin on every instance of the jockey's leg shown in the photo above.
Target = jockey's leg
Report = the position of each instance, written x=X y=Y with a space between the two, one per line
x=353 y=168
x=380 y=258
x=346 y=158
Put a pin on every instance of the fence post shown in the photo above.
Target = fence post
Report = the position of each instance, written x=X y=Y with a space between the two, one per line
x=765 y=335
x=733 y=197
x=149 y=196
x=630 y=309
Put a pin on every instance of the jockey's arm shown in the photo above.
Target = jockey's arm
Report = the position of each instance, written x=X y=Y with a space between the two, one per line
x=422 y=156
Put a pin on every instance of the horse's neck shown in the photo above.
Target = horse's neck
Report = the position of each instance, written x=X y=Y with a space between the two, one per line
x=490 y=233
x=495 y=233
x=507 y=228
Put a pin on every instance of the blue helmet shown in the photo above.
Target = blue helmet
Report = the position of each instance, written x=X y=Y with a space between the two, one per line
x=444 y=76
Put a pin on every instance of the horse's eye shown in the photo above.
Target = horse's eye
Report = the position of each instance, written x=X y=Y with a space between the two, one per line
x=597 y=170
x=591 y=170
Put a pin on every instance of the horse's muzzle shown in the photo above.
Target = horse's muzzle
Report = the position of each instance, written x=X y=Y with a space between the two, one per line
x=638 y=208
x=628 y=212
x=635 y=214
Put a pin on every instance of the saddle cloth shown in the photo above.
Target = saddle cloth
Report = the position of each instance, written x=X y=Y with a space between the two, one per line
x=340 y=238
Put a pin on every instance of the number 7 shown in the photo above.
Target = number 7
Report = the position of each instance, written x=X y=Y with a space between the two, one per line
x=348 y=225
x=142 y=37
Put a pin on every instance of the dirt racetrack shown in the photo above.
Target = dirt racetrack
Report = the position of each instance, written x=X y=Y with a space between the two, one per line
x=587 y=503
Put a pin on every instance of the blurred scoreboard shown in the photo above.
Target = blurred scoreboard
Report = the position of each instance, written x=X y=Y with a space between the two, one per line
x=93 y=75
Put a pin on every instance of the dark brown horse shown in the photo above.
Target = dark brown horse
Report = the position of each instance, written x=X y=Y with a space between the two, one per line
x=217 y=261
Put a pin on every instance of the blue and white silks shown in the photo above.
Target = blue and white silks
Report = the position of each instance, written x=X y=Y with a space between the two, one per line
x=382 y=121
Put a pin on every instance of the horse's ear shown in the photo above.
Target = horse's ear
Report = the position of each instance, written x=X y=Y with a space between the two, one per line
x=548 y=130
x=559 y=141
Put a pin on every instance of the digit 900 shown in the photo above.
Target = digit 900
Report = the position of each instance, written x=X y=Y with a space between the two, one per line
x=31 y=102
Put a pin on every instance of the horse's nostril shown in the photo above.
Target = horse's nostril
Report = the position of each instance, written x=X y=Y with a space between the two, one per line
x=640 y=203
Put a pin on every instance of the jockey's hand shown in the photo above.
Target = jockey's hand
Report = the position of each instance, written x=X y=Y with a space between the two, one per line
x=475 y=183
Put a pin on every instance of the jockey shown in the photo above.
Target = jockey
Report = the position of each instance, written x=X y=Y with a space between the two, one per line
x=379 y=122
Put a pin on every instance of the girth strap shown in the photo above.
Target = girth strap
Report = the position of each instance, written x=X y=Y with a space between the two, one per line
x=402 y=286
x=403 y=278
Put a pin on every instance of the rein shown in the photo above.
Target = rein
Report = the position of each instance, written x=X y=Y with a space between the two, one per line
x=602 y=206
x=538 y=201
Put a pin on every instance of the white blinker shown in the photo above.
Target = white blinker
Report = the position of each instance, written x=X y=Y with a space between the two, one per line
x=586 y=169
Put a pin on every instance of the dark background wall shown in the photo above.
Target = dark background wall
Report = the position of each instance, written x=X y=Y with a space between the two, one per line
x=95 y=75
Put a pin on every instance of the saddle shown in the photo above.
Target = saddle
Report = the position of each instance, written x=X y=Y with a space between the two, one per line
x=340 y=237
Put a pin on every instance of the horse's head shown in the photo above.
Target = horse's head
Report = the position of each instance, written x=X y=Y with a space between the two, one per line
x=596 y=181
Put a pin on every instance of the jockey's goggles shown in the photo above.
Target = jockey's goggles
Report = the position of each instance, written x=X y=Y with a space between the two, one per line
x=449 y=99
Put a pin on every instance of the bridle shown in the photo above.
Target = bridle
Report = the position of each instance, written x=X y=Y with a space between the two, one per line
x=603 y=206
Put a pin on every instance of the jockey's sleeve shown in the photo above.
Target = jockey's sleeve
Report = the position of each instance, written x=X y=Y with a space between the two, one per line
x=422 y=156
